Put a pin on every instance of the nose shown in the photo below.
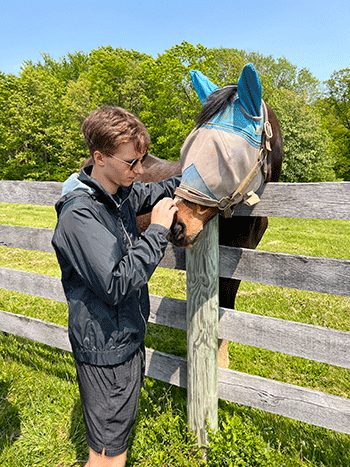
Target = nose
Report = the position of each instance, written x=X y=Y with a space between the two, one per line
x=138 y=169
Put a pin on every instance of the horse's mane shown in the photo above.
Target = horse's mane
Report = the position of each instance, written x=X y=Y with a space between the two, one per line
x=216 y=103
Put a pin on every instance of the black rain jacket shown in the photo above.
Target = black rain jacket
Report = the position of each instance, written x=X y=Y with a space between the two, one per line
x=106 y=266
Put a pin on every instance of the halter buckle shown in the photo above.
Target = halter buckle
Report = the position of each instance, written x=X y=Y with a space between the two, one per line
x=268 y=129
x=224 y=203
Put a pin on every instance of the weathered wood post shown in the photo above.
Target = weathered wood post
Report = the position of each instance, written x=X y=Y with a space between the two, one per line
x=202 y=267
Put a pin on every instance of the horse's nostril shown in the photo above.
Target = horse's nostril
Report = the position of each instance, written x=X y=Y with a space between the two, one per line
x=178 y=231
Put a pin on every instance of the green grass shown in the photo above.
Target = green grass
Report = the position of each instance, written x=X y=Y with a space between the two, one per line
x=313 y=237
x=28 y=215
x=40 y=413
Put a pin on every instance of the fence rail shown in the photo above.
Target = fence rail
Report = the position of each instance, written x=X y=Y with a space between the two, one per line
x=326 y=275
x=326 y=200
x=308 y=341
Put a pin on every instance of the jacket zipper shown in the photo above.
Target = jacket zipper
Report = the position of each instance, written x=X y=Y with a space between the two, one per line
x=128 y=236
x=126 y=233
x=121 y=219
x=143 y=318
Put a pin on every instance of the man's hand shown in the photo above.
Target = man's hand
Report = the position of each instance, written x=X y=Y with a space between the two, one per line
x=163 y=212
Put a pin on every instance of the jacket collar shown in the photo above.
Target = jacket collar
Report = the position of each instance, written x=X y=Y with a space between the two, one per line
x=121 y=195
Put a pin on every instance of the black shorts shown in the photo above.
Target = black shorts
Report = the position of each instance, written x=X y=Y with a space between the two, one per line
x=110 y=399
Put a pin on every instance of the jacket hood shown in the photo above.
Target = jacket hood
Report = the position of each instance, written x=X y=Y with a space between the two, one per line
x=73 y=183
x=80 y=184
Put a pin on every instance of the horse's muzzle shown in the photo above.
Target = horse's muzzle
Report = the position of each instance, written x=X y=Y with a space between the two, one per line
x=177 y=232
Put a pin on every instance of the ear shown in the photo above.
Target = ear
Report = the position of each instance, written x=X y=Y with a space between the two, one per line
x=98 y=158
x=203 y=86
x=249 y=90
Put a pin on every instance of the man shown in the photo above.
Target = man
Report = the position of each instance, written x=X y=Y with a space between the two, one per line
x=105 y=269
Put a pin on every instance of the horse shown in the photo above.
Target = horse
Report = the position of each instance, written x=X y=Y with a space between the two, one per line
x=239 y=231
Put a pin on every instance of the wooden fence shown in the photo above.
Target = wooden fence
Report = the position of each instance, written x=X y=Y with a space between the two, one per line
x=327 y=275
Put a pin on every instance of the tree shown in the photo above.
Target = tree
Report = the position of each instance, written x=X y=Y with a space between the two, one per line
x=339 y=95
x=335 y=108
x=116 y=77
x=169 y=101
x=43 y=108
x=40 y=142
x=274 y=73
x=67 y=68
x=7 y=143
x=307 y=145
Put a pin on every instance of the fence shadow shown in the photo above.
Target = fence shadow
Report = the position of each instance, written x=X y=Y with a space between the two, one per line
x=49 y=360
x=325 y=447
x=10 y=423
x=77 y=433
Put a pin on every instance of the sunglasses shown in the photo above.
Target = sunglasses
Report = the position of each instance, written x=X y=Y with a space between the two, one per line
x=134 y=162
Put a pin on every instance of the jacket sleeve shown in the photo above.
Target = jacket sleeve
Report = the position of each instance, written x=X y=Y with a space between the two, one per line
x=109 y=269
x=145 y=195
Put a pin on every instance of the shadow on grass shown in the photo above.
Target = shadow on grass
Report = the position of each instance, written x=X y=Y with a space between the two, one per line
x=40 y=357
x=10 y=423
x=77 y=433
x=311 y=444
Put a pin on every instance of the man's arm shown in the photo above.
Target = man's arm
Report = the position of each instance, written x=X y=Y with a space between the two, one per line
x=107 y=267
x=145 y=196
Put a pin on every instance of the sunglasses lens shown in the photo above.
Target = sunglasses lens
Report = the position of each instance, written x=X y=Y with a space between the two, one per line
x=135 y=161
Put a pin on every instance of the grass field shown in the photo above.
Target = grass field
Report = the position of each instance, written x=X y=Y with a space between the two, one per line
x=40 y=414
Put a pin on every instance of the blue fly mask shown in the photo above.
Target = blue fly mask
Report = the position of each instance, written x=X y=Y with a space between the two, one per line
x=223 y=160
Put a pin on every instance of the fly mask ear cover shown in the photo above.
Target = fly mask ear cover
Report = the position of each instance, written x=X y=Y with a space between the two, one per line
x=219 y=160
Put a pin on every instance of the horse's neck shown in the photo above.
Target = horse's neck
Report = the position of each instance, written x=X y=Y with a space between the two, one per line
x=274 y=158
x=156 y=169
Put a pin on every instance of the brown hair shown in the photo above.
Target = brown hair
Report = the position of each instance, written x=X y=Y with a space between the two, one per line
x=110 y=126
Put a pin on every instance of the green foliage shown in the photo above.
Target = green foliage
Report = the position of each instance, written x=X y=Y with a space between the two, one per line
x=43 y=108
x=306 y=143
x=41 y=140
x=274 y=73
x=335 y=110
x=116 y=77
x=339 y=94
x=169 y=99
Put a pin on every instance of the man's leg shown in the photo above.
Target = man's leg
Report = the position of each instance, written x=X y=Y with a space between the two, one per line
x=110 y=397
x=101 y=460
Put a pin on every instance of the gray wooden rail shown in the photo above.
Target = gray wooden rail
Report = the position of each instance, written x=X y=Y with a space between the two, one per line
x=327 y=275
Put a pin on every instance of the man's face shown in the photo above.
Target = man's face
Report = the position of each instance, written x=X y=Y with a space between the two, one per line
x=117 y=170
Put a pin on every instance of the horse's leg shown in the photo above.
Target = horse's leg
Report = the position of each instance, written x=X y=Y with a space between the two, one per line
x=227 y=294
x=240 y=232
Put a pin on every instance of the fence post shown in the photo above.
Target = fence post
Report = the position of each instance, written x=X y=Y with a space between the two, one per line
x=202 y=269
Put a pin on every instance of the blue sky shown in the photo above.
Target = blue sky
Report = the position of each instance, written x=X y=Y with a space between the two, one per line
x=309 y=33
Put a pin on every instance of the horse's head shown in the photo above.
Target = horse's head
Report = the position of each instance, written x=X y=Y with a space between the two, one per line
x=223 y=160
x=189 y=222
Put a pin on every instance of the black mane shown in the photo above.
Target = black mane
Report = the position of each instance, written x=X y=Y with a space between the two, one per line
x=216 y=103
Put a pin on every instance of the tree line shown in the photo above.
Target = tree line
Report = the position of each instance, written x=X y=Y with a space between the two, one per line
x=44 y=106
